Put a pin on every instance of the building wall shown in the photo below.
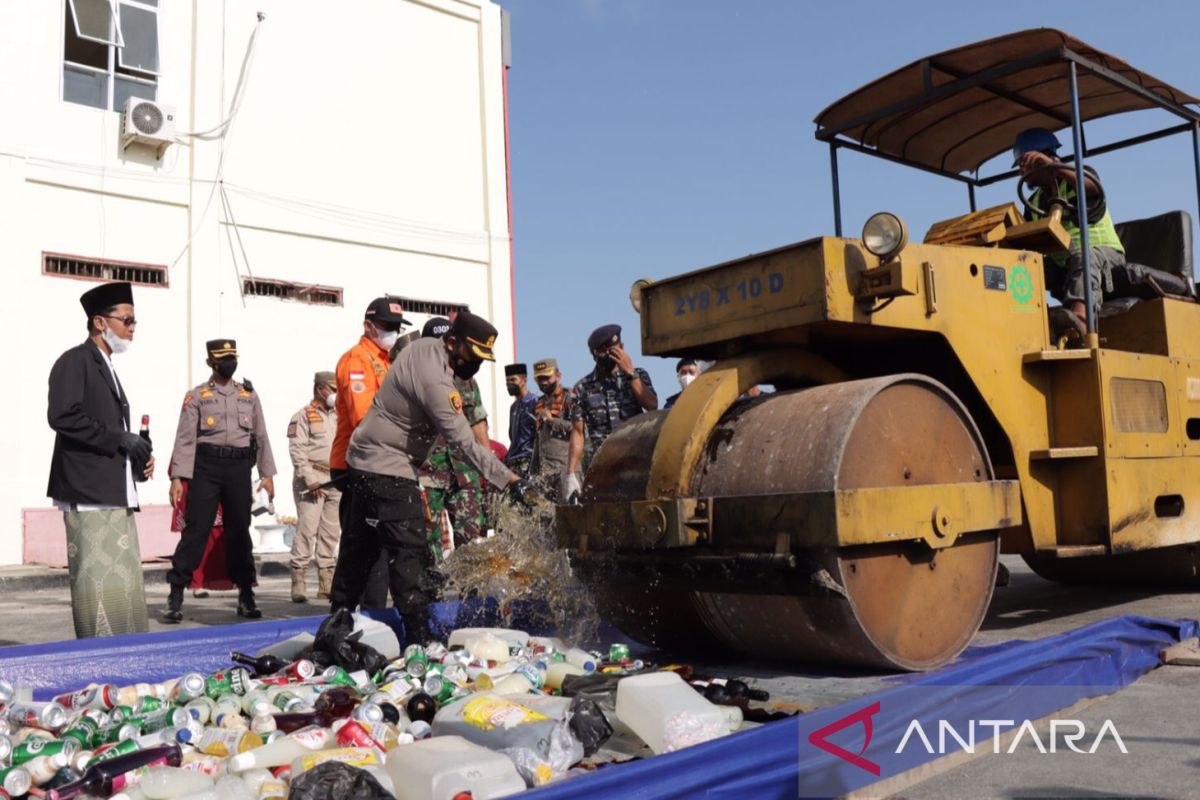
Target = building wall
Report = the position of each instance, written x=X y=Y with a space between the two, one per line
x=368 y=154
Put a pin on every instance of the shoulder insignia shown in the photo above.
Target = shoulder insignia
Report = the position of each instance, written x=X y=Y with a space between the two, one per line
x=187 y=399
x=456 y=402
x=292 y=429
x=205 y=393
x=358 y=387
x=313 y=414
x=249 y=387
x=243 y=393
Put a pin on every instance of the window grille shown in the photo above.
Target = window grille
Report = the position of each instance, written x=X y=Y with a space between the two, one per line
x=287 y=290
x=95 y=269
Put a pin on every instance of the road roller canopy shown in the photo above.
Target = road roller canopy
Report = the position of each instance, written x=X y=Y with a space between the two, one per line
x=953 y=111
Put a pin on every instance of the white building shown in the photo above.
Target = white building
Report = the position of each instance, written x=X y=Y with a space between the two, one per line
x=365 y=156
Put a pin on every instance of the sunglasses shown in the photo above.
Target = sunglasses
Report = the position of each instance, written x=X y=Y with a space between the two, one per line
x=128 y=322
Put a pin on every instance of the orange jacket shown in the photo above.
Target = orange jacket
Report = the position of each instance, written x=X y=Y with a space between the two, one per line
x=360 y=373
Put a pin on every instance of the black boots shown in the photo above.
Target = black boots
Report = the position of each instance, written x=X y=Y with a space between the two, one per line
x=173 y=613
x=246 y=606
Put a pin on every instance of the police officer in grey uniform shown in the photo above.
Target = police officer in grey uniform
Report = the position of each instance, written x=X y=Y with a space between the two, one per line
x=221 y=435
x=604 y=398
x=417 y=401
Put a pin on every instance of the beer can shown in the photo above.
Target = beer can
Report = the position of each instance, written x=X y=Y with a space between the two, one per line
x=286 y=701
x=83 y=730
x=235 y=680
x=367 y=712
x=16 y=781
x=336 y=676
x=6 y=749
x=188 y=688
x=147 y=705
x=113 y=750
x=7 y=693
x=37 y=746
x=300 y=670
x=618 y=652
x=102 y=696
x=48 y=716
x=416 y=663
x=436 y=651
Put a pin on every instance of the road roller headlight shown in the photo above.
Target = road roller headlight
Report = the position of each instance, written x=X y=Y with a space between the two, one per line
x=884 y=235
x=635 y=293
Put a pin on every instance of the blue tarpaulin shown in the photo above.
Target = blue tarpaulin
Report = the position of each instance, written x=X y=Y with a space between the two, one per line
x=1015 y=682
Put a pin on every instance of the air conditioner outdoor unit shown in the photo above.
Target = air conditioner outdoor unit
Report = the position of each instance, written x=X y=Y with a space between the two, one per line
x=147 y=123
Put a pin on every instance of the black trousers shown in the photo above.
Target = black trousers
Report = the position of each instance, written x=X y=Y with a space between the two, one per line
x=224 y=481
x=387 y=517
x=375 y=594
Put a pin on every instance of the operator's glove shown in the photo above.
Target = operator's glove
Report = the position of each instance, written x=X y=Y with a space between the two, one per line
x=134 y=446
x=570 y=488
x=522 y=492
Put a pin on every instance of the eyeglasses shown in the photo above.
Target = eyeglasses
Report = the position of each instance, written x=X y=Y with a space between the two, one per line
x=128 y=322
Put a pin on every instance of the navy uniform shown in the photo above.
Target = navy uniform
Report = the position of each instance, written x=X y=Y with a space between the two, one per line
x=522 y=429
x=603 y=398
x=417 y=402
x=222 y=434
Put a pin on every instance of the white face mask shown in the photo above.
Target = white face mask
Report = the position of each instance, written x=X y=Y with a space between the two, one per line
x=330 y=399
x=685 y=379
x=385 y=339
x=114 y=342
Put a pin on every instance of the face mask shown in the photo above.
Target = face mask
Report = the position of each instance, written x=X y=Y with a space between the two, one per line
x=605 y=364
x=330 y=399
x=114 y=342
x=465 y=368
x=513 y=390
x=684 y=380
x=385 y=339
x=225 y=367
x=548 y=388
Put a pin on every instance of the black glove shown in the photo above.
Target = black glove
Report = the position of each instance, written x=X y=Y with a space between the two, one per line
x=522 y=491
x=134 y=446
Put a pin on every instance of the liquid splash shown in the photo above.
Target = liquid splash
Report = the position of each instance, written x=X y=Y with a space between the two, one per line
x=522 y=566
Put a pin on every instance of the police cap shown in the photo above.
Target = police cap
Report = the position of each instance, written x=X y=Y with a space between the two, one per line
x=221 y=348
x=605 y=336
x=325 y=378
x=477 y=332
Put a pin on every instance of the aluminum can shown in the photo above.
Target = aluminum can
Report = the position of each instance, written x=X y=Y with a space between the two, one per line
x=188 y=688
x=235 y=680
x=416 y=663
x=618 y=652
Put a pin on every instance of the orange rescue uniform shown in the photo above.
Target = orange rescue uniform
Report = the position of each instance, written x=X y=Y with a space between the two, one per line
x=360 y=373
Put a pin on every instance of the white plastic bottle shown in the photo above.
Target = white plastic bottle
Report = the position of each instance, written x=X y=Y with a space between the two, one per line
x=163 y=783
x=582 y=659
x=444 y=766
x=283 y=750
x=668 y=714
x=558 y=670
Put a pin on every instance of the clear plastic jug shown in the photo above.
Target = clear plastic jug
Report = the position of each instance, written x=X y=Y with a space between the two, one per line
x=668 y=715
x=441 y=767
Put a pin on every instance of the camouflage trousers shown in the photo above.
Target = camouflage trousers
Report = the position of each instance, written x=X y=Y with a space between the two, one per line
x=465 y=507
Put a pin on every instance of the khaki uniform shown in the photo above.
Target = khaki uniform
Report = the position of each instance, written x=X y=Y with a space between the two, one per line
x=221 y=435
x=417 y=402
x=310 y=437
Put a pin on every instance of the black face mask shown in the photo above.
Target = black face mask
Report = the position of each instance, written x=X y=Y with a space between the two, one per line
x=548 y=388
x=464 y=368
x=605 y=364
x=225 y=367
x=514 y=390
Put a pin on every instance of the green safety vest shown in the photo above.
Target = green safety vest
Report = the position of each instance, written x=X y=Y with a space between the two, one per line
x=1101 y=233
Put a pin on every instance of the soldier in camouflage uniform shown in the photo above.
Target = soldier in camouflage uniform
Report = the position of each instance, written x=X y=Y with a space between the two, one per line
x=451 y=483
x=607 y=396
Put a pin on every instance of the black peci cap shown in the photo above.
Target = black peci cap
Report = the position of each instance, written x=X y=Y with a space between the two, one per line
x=515 y=369
x=105 y=296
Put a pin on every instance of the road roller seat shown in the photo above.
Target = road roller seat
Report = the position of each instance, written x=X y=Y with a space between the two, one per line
x=1158 y=261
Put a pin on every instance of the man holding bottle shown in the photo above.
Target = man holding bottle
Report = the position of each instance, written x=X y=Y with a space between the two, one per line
x=96 y=462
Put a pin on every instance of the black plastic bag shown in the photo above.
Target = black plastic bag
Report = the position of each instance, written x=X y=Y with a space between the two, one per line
x=338 y=643
x=589 y=725
x=334 y=780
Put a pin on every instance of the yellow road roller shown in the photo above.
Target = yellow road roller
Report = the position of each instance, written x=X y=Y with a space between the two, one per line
x=925 y=416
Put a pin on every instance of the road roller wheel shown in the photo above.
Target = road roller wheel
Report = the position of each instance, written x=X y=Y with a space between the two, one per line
x=893 y=605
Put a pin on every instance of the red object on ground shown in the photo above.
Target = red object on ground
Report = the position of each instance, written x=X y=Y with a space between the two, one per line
x=213 y=572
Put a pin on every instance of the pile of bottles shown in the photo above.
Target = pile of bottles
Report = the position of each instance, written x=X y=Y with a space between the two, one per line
x=246 y=732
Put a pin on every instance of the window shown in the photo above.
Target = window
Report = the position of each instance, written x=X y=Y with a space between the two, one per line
x=286 y=290
x=95 y=269
x=110 y=52
x=434 y=308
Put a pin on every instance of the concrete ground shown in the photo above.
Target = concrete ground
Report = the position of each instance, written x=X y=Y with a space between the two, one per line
x=1158 y=717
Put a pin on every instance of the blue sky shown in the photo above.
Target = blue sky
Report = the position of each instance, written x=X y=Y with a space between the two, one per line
x=651 y=137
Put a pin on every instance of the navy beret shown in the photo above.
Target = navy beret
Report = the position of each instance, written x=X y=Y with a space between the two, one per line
x=604 y=336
